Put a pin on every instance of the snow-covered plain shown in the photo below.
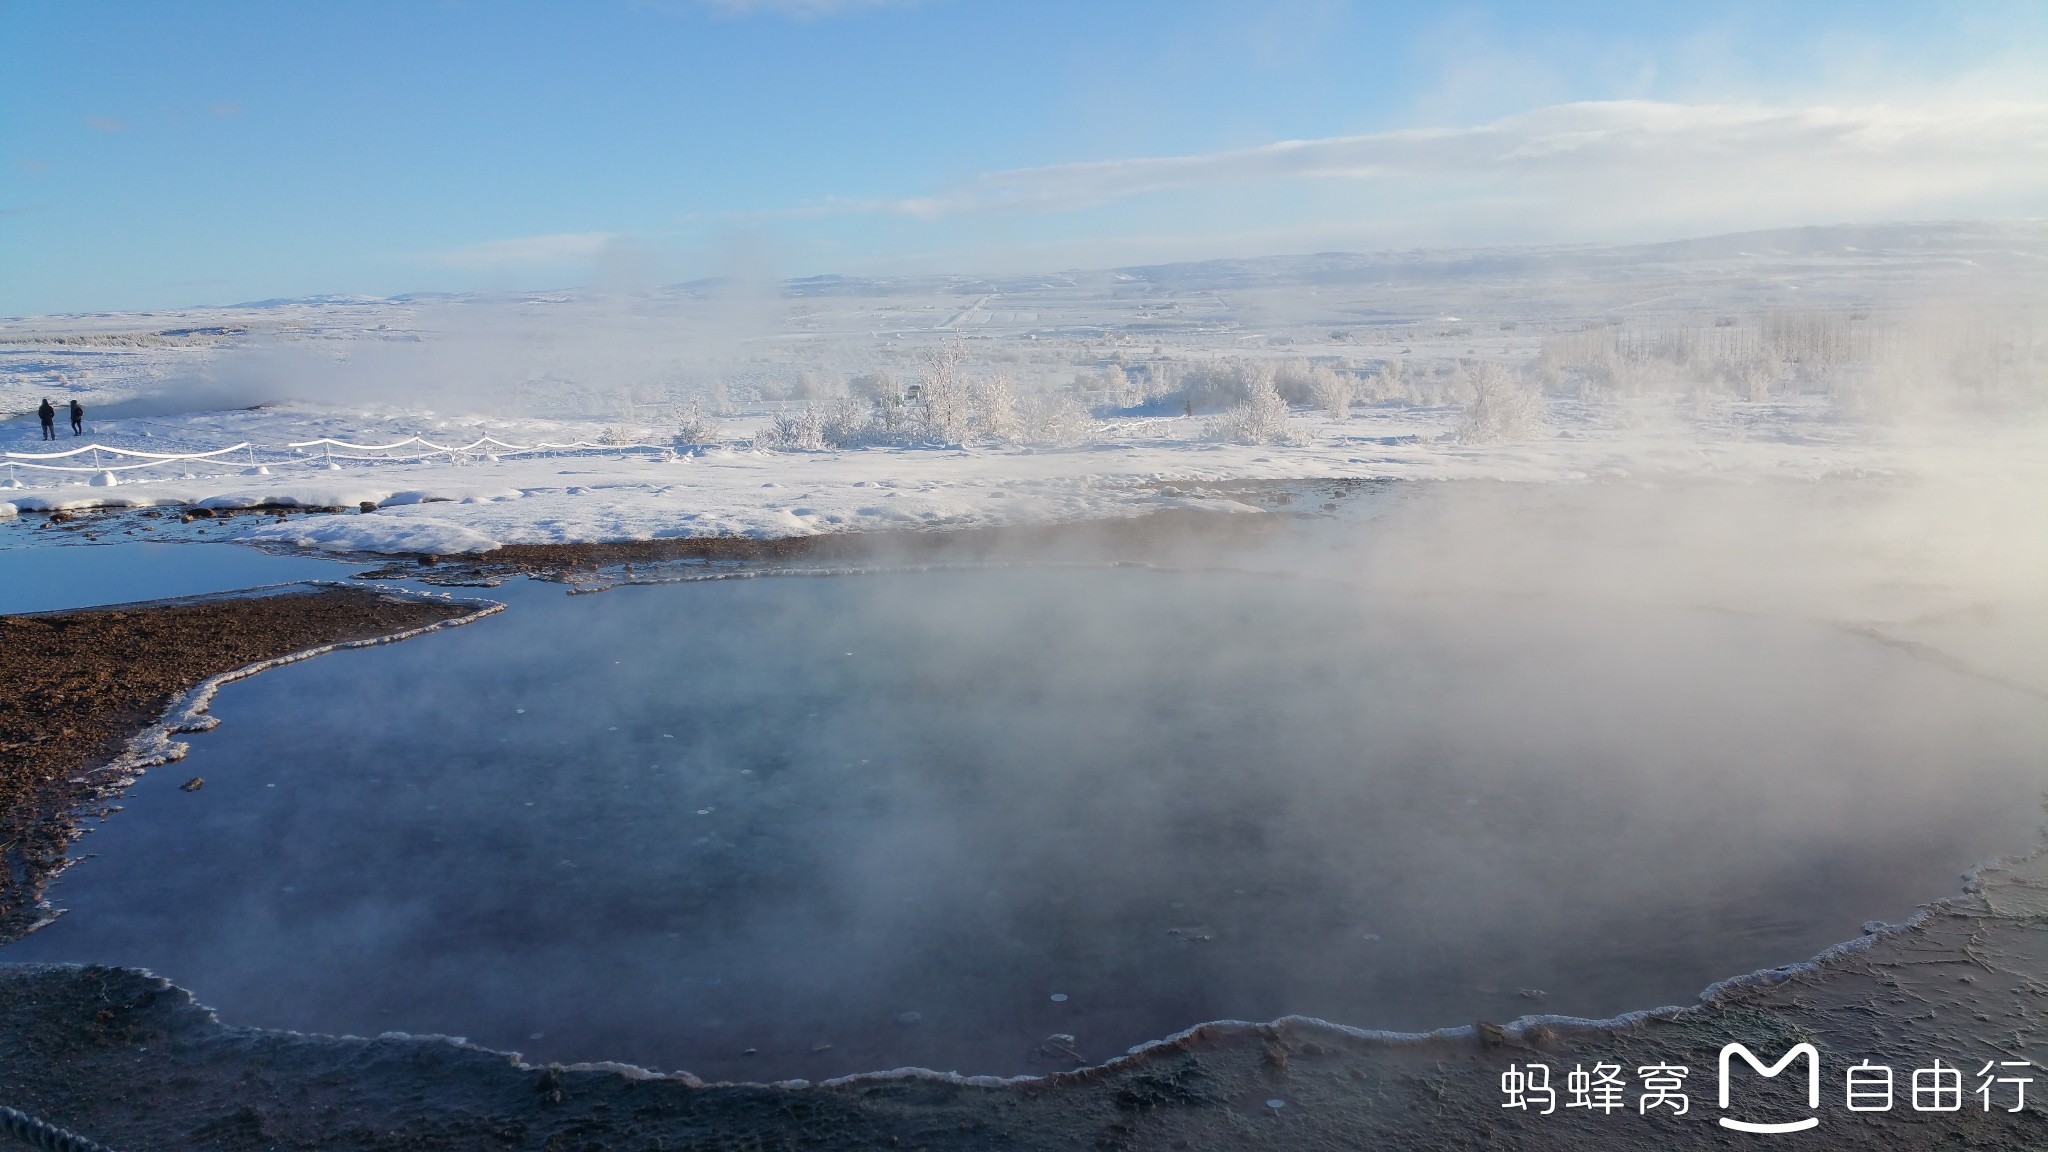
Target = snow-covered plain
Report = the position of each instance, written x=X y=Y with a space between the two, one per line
x=619 y=374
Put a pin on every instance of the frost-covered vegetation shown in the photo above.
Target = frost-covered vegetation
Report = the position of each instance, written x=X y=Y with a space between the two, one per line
x=693 y=412
x=941 y=405
x=1863 y=362
x=956 y=394
x=1501 y=406
x=1261 y=417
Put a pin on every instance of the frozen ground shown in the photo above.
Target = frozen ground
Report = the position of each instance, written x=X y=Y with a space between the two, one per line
x=1605 y=343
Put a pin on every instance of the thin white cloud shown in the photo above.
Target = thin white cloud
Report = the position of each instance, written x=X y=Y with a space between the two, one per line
x=1635 y=158
x=528 y=251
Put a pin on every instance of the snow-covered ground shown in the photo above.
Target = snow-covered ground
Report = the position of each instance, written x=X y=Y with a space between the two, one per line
x=620 y=375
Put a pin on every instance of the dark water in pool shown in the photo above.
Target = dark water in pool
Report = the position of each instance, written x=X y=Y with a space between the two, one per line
x=899 y=814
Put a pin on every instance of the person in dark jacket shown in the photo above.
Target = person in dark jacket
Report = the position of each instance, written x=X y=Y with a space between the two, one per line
x=48 y=416
x=77 y=418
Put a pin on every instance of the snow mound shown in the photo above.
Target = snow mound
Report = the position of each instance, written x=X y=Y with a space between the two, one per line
x=452 y=494
x=75 y=502
x=295 y=495
x=380 y=534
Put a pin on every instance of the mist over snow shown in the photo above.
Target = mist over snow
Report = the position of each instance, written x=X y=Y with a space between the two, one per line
x=832 y=404
x=1138 y=514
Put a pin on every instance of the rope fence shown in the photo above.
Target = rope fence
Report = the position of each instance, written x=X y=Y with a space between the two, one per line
x=146 y=459
x=123 y=460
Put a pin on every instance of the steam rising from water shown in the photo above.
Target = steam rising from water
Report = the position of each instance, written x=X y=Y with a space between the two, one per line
x=1476 y=740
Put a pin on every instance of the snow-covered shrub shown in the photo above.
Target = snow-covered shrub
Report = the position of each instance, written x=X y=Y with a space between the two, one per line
x=880 y=384
x=1161 y=378
x=1260 y=418
x=995 y=408
x=799 y=432
x=1501 y=407
x=1295 y=381
x=1054 y=418
x=1388 y=384
x=1758 y=376
x=894 y=420
x=1115 y=385
x=1331 y=391
x=1218 y=384
x=844 y=424
x=945 y=407
x=695 y=428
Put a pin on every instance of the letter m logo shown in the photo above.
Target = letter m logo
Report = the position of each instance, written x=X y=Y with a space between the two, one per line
x=1757 y=1066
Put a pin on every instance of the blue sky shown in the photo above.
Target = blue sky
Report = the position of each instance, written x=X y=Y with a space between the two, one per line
x=156 y=155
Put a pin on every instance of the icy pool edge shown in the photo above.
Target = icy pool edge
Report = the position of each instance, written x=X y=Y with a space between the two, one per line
x=1521 y=1032
x=189 y=712
x=156 y=745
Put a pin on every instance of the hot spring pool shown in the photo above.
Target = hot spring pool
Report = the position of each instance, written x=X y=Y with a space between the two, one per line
x=803 y=827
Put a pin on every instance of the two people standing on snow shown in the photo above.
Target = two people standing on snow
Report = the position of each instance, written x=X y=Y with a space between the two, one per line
x=48 y=416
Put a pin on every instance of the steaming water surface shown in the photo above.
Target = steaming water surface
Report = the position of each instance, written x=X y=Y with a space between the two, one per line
x=804 y=827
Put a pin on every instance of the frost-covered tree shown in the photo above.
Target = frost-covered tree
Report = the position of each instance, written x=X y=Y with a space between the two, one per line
x=995 y=408
x=1295 y=381
x=1390 y=383
x=694 y=428
x=1331 y=391
x=1162 y=378
x=1500 y=407
x=1218 y=384
x=947 y=408
x=1260 y=418
x=880 y=384
x=1054 y=418
x=845 y=423
x=798 y=432
x=1759 y=375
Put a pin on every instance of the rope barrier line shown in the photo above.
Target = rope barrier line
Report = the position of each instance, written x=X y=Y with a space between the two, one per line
x=420 y=440
x=156 y=456
x=469 y=447
x=29 y=460
x=48 y=1137
x=102 y=467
